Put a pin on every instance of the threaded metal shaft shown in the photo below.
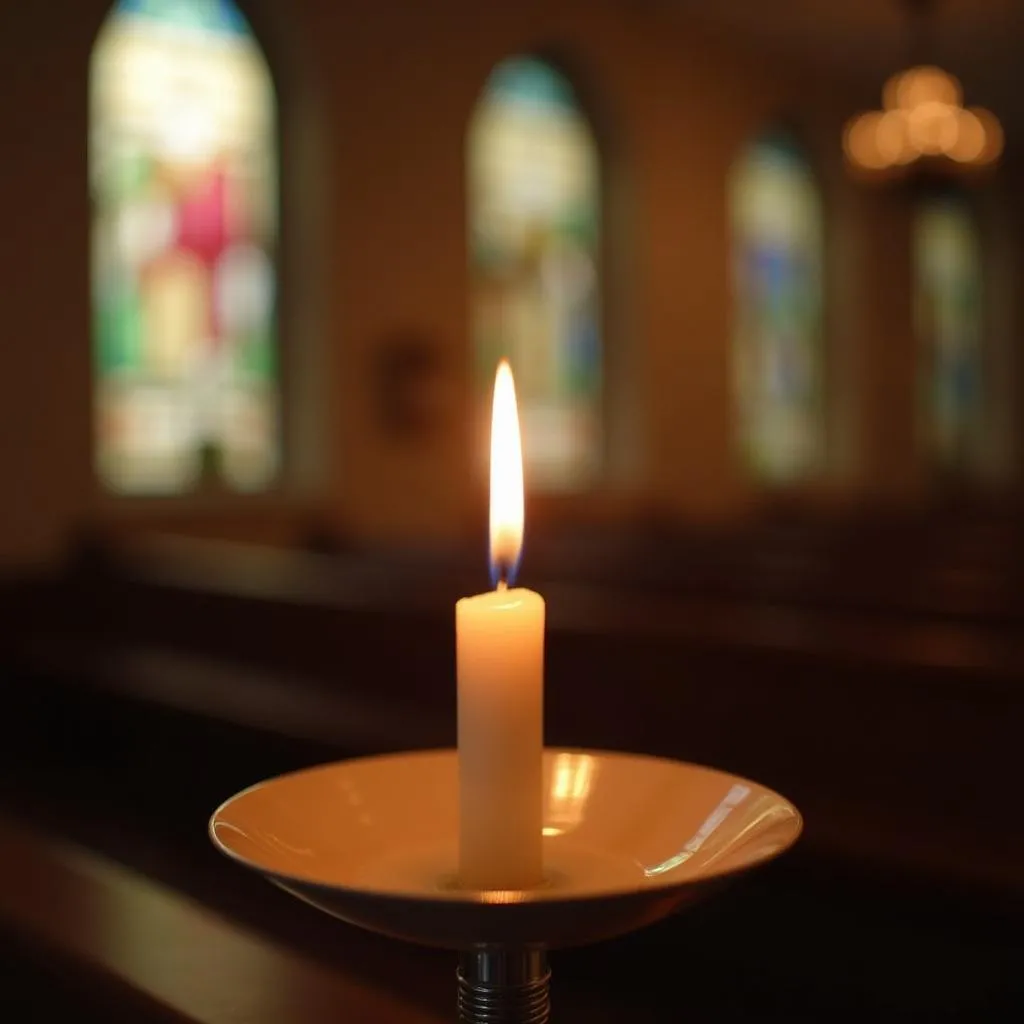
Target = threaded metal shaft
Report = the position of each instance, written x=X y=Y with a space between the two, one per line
x=502 y=986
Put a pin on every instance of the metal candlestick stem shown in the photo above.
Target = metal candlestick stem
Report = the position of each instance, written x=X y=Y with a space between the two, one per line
x=504 y=986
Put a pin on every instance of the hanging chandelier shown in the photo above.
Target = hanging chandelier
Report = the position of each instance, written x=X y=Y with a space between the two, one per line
x=922 y=120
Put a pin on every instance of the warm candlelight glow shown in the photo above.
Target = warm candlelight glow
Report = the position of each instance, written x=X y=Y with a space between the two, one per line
x=499 y=656
x=572 y=776
x=506 y=479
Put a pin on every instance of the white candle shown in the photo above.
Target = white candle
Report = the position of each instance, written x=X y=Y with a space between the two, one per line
x=500 y=652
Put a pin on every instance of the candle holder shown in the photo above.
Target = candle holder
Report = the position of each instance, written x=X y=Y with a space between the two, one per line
x=627 y=840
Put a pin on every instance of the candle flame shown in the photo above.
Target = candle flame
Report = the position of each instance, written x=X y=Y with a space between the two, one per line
x=506 y=479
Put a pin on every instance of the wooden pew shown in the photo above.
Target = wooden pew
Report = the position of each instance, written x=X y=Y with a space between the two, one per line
x=891 y=734
x=121 y=946
x=866 y=727
x=124 y=945
x=108 y=942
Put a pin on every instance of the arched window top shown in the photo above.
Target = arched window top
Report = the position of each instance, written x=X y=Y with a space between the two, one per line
x=946 y=238
x=183 y=177
x=777 y=272
x=775 y=192
x=220 y=16
x=532 y=83
x=534 y=225
x=949 y=315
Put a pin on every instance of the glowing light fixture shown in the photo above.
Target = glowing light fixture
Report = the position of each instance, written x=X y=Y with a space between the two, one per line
x=922 y=119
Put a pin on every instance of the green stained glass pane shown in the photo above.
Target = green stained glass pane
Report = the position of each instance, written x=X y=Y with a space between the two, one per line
x=124 y=175
x=581 y=223
x=950 y=324
x=257 y=357
x=119 y=332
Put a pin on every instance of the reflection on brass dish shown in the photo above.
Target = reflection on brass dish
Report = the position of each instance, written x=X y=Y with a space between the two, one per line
x=627 y=840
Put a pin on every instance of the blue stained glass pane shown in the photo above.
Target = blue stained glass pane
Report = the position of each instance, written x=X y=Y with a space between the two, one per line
x=776 y=215
x=209 y=15
x=532 y=82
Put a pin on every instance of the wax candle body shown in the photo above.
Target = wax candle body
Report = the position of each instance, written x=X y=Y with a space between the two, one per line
x=500 y=651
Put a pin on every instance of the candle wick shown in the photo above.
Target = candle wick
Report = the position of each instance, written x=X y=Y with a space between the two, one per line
x=504 y=572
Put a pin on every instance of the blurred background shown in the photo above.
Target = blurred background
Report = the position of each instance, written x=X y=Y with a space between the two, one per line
x=758 y=269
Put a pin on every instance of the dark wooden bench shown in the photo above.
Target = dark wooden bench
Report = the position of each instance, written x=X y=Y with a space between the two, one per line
x=122 y=945
x=891 y=733
x=105 y=942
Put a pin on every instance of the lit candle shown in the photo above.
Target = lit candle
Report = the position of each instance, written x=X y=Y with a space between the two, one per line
x=500 y=650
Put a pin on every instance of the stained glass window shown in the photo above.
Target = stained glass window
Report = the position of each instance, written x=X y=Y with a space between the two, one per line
x=535 y=221
x=950 y=325
x=183 y=182
x=777 y=295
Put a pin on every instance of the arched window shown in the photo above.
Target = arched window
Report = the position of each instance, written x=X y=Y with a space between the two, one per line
x=534 y=223
x=950 y=327
x=184 y=196
x=777 y=255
